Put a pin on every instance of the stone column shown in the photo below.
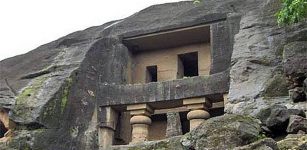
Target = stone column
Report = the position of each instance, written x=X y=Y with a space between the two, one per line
x=107 y=128
x=140 y=121
x=198 y=111
x=173 y=127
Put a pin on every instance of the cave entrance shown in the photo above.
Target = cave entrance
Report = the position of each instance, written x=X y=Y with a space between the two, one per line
x=3 y=129
x=151 y=74
x=185 y=123
x=157 y=129
x=187 y=65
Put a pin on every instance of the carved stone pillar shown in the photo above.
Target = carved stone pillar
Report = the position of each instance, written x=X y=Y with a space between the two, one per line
x=140 y=121
x=196 y=117
x=173 y=127
x=198 y=110
x=107 y=128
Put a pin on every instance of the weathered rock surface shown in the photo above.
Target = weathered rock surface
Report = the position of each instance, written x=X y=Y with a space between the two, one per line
x=167 y=144
x=224 y=132
x=296 y=142
x=276 y=118
x=297 y=123
x=262 y=144
x=294 y=56
x=263 y=55
x=297 y=94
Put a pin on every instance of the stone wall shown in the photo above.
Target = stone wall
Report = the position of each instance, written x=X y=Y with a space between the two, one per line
x=167 y=62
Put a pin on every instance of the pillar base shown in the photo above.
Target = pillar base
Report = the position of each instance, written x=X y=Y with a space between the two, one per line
x=107 y=127
x=195 y=123
x=196 y=117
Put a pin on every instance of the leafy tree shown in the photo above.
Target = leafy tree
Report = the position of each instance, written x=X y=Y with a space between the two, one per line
x=292 y=11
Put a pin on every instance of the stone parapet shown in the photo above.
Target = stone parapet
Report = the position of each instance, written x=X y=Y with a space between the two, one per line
x=213 y=86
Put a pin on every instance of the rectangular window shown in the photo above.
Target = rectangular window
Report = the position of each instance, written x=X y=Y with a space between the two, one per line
x=151 y=74
x=187 y=65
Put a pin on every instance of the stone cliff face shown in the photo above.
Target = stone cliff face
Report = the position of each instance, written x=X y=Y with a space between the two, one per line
x=264 y=57
x=51 y=92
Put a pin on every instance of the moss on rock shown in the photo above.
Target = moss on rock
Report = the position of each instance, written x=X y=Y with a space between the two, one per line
x=53 y=111
x=166 y=144
x=65 y=94
x=293 y=142
x=31 y=90
x=26 y=100
x=224 y=132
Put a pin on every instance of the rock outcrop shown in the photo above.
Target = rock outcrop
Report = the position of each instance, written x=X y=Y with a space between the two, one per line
x=297 y=124
x=225 y=132
x=262 y=144
x=297 y=142
x=276 y=118
x=262 y=59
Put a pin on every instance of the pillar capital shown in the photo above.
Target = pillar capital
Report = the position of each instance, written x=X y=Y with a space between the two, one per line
x=140 y=109
x=197 y=103
x=110 y=118
x=140 y=120
x=198 y=114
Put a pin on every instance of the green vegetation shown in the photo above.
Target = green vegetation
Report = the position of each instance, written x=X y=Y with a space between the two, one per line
x=30 y=90
x=292 y=11
x=196 y=1
x=65 y=94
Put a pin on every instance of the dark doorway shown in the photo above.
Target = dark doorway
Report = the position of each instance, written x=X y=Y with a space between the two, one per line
x=157 y=129
x=151 y=74
x=3 y=130
x=185 y=123
x=187 y=65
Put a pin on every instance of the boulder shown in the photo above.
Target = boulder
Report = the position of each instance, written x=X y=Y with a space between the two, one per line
x=297 y=123
x=276 y=118
x=296 y=141
x=262 y=144
x=297 y=112
x=294 y=56
x=297 y=94
x=224 y=132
